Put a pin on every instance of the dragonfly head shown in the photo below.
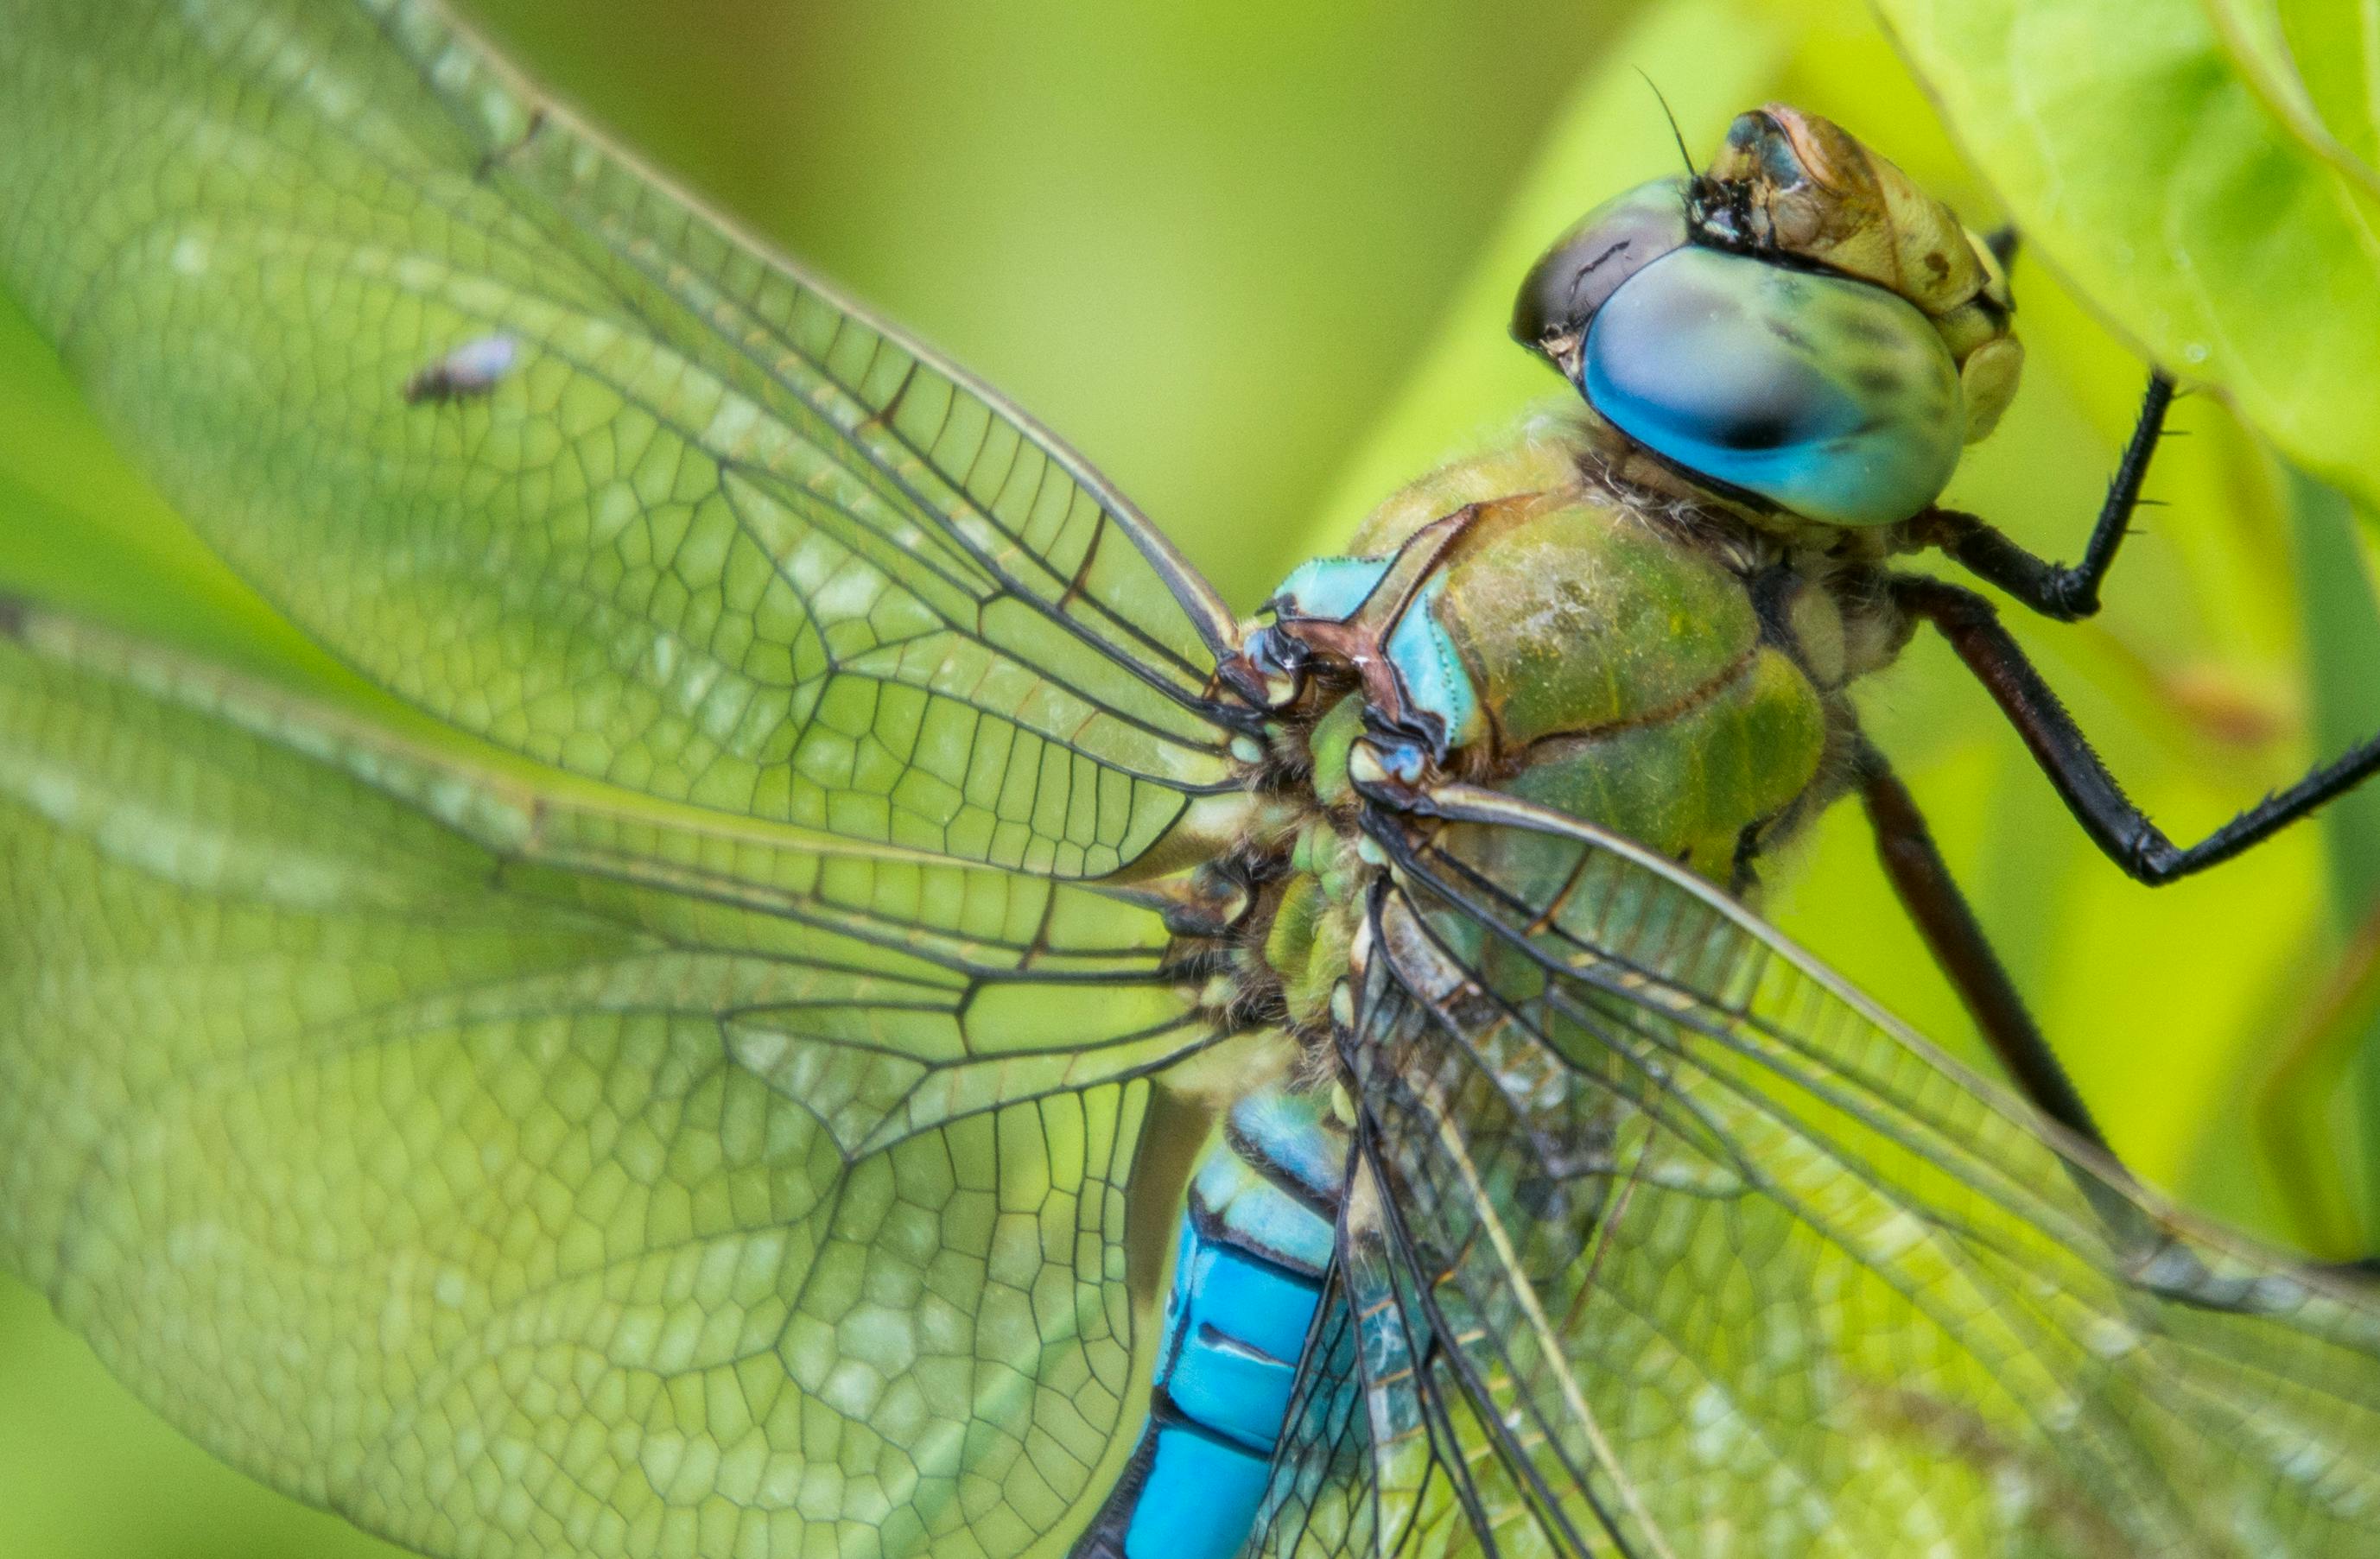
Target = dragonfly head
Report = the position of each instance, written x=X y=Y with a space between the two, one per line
x=1798 y=325
x=1794 y=188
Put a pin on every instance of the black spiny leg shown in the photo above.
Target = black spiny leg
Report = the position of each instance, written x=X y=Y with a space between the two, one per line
x=2120 y=828
x=1923 y=879
x=2056 y=589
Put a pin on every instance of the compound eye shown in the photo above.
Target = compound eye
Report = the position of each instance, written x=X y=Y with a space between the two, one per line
x=1830 y=398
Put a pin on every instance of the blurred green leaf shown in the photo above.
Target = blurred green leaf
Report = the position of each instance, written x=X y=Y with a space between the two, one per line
x=2267 y=41
x=2171 y=160
x=2342 y=630
x=2336 y=44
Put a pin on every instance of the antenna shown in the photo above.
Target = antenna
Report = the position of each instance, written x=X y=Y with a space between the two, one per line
x=1675 y=134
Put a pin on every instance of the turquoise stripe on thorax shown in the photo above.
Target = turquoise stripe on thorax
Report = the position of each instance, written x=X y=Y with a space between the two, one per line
x=1432 y=673
x=1328 y=589
x=1434 y=678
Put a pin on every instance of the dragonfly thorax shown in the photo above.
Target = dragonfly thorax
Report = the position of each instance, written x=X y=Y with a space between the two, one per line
x=1534 y=620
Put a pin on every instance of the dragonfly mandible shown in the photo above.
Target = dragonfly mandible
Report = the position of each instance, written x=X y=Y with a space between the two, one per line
x=827 y=996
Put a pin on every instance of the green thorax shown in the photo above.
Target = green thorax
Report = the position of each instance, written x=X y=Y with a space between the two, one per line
x=1523 y=621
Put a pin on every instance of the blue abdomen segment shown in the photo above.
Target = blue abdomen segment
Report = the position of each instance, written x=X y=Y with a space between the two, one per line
x=1255 y=1242
x=1199 y=1497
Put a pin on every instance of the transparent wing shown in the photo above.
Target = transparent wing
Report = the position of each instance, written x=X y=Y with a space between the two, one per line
x=523 y=1179
x=1726 y=1262
x=529 y=440
x=1323 y=1500
x=1382 y=1457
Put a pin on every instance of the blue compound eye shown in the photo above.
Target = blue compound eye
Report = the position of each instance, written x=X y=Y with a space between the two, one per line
x=1830 y=398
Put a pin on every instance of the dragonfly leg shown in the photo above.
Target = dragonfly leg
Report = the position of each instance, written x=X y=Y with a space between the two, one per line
x=2120 y=828
x=2059 y=590
x=1923 y=880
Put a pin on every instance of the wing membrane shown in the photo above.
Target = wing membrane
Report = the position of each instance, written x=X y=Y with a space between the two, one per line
x=1321 y=1501
x=536 y=443
x=1730 y=1263
x=520 y=1178
x=1384 y=1456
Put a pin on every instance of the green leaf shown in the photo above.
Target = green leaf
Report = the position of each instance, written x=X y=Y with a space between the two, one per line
x=2342 y=629
x=2270 y=40
x=2212 y=202
x=2337 y=46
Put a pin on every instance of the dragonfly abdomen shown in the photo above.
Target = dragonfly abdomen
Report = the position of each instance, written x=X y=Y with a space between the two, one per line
x=1255 y=1242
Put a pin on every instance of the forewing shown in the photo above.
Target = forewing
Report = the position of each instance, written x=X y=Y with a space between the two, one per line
x=521 y=1178
x=531 y=440
x=1730 y=1263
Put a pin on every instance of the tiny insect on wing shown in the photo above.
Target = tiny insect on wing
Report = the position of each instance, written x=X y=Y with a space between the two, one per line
x=471 y=368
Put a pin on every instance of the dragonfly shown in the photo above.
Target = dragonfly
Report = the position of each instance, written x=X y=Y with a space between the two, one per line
x=820 y=993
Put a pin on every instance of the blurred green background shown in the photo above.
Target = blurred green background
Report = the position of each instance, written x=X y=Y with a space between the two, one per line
x=1254 y=260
